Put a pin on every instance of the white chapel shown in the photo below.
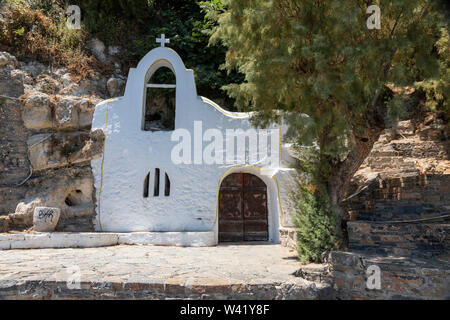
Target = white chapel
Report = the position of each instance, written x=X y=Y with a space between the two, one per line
x=199 y=177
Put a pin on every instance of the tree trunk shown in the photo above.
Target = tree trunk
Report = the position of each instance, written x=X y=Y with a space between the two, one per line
x=342 y=172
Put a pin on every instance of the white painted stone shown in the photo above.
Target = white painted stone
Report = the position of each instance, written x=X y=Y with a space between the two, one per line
x=183 y=239
x=130 y=153
x=58 y=240
x=100 y=239
x=45 y=219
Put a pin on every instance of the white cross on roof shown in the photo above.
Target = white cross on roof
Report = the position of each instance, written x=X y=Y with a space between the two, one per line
x=162 y=40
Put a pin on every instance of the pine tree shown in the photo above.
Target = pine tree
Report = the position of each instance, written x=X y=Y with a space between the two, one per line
x=319 y=58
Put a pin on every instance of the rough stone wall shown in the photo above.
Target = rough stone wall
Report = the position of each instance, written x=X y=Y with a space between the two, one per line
x=400 y=278
x=46 y=143
x=424 y=240
x=399 y=217
x=14 y=164
x=208 y=289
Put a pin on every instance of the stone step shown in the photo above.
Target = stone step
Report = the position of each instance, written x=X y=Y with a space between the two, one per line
x=373 y=160
x=412 y=148
x=383 y=153
x=413 y=196
x=422 y=149
x=424 y=239
x=395 y=167
x=393 y=211
x=394 y=172
x=401 y=189
x=388 y=164
x=400 y=277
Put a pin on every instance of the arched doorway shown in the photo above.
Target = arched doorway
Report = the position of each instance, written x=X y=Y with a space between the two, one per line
x=243 y=212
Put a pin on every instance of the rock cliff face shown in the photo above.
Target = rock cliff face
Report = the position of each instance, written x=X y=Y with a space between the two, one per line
x=46 y=143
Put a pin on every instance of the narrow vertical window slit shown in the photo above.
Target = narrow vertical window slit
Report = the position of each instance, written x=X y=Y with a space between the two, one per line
x=167 y=185
x=146 y=183
x=156 y=184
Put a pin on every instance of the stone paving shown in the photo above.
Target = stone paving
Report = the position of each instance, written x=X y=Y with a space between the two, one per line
x=234 y=271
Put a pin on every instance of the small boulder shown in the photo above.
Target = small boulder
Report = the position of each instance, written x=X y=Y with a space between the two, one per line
x=98 y=49
x=45 y=218
x=115 y=87
x=7 y=60
x=23 y=215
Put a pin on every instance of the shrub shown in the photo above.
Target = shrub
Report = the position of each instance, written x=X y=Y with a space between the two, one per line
x=315 y=223
x=38 y=30
x=314 y=219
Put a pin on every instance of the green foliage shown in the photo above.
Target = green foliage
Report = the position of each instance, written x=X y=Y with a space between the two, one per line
x=319 y=58
x=314 y=219
x=315 y=224
x=38 y=29
x=438 y=89
x=114 y=20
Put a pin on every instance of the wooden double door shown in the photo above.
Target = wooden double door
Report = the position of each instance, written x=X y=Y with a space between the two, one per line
x=243 y=208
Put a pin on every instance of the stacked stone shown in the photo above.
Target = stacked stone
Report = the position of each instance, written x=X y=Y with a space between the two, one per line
x=406 y=178
x=46 y=143
x=399 y=212
x=399 y=278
